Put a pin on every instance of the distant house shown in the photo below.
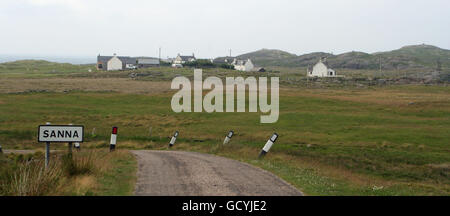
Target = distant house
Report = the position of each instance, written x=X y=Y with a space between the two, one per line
x=129 y=62
x=321 y=69
x=243 y=65
x=111 y=63
x=224 y=60
x=238 y=64
x=183 y=59
x=114 y=63
x=145 y=62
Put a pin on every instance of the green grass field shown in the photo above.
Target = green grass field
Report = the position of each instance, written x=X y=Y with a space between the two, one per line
x=391 y=140
x=397 y=144
x=83 y=173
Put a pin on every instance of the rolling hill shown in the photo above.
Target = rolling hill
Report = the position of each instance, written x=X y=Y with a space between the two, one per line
x=408 y=57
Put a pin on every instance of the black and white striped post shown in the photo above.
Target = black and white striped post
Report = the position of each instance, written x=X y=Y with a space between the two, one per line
x=77 y=146
x=174 y=138
x=112 y=145
x=268 y=145
x=228 y=137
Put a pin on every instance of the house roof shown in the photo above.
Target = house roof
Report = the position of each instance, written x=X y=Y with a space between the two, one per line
x=103 y=59
x=241 y=61
x=186 y=58
x=124 y=59
x=129 y=60
x=310 y=67
x=147 y=60
x=223 y=60
x=324 y=61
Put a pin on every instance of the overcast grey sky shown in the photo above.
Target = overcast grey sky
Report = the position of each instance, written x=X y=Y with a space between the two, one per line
x=210 y=28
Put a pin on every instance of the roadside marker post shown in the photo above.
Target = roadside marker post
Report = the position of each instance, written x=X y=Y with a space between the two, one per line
x=174 y=138
x=113 y=141
x=268 y=145
x=228 y=137
x=77 y=146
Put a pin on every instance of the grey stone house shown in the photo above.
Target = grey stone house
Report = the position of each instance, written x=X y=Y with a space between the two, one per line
x=125 y=62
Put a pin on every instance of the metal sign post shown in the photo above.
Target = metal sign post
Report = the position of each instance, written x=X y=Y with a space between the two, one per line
x=47 y=154
x=47 y=150
x=69 y=145
x=70 y=148
x=59 y=133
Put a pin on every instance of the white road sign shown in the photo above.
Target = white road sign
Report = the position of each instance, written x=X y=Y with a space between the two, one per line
x=60 y=133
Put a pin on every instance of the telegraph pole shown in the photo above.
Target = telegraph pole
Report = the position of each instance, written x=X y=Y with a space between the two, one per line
x=159 y=58
x=380 y=65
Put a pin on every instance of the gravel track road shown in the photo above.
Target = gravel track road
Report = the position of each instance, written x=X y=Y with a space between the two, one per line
x=176 y=173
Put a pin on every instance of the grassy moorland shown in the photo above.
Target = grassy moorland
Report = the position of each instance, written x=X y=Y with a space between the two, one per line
x=88 y=172
x=384 y=140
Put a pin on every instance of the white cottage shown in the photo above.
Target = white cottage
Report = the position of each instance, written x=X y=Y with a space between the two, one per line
x=321 y=70
x=183 y=59
x=114 y=64
x=243 y=65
